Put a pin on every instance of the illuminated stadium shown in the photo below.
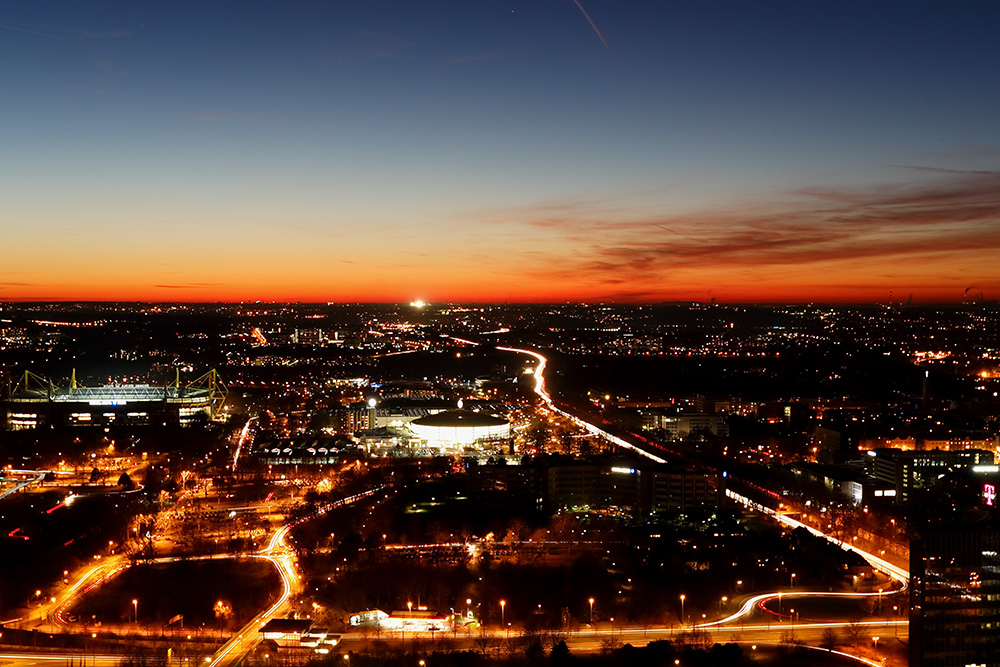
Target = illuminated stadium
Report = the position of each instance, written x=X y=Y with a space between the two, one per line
x=35 y=402
x=459 y=427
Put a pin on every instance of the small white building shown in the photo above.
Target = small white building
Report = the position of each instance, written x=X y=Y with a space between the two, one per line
x=404 y=620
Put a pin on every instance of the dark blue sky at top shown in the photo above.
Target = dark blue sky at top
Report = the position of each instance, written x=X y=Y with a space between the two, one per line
x=792 y=70
x=439 y=108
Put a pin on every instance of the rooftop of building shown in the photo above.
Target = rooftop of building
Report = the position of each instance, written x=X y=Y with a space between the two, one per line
x=112 y=393
x=460 y=419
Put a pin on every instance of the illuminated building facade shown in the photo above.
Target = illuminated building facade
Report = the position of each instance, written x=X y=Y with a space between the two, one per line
x=35 y=402
x=597 y=486
x=458 y=428
x=955 y=597
x=908 y=471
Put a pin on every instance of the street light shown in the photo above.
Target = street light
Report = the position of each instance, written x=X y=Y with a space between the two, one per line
x=135 y=608
x=875 y=642
x=791 y=582
x=503 y=607
x=591 y=601
x=721 y=602
x=682 y=608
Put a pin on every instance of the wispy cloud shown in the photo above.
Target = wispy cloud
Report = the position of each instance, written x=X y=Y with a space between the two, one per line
x=593 y=25
x=956 y=213
x=363 y=46
x=99 y=39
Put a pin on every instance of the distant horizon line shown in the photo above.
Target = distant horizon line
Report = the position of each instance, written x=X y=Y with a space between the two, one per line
x=431 y=304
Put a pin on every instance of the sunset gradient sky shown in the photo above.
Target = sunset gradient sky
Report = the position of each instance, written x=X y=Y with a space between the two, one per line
x=499 y=151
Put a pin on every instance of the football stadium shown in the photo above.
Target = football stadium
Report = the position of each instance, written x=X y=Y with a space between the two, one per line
x=35 y=402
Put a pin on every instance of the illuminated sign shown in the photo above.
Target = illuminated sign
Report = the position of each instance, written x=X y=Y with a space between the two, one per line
x=624 y=471
x=989 y=494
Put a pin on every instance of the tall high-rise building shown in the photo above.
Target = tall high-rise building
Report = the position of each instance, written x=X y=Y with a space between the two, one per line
x=955 y=596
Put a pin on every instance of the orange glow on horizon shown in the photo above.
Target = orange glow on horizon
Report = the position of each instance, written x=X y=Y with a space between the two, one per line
x=738 y=294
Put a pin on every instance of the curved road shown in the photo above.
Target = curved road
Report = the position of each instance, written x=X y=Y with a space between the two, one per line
x=896 y=573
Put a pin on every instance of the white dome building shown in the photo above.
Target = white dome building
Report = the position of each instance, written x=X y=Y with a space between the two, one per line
x=459 y=428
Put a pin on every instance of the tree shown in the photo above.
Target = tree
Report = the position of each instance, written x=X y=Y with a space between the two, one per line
x=610 y=644
x=560 y=654
x=126 y=482
x=484 y=641
x=538 y=437
x=566 y=442
x=830 y=639
x=855 y=630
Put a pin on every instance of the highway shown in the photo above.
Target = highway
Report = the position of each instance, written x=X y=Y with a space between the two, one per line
x=734 y=627
x=277 y=551
x=241 y=442
x=803 y=631
x=539 y=375
x=24 y=478
x=591 y=640
x=59 y=659
x=283 y=558
x=894 y=571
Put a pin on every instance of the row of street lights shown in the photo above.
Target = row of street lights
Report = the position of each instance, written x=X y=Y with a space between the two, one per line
x=683 y=597
x=503 y=605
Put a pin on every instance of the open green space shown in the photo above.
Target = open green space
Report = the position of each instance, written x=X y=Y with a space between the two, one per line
x=41 y=536
x=221 y=594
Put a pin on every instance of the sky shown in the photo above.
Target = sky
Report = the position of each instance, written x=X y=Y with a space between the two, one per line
x=477 y=150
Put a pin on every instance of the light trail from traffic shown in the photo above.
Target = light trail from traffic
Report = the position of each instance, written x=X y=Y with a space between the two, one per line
x=241 y=441
x=276 y=552
x=755 y=601
x=283 y=558
x=747 y=608
x=39 y=476
x=539 y=375
x=893 y=571
x=90 y=659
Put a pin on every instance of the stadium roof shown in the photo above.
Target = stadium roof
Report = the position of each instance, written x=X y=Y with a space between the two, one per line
x=459 y=418
x=125 y=392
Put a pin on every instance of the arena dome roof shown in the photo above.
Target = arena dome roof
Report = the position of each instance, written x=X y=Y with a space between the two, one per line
x=458 y=419
x=459 y=428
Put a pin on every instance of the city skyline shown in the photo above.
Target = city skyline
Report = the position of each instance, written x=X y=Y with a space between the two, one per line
x=521 y=152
